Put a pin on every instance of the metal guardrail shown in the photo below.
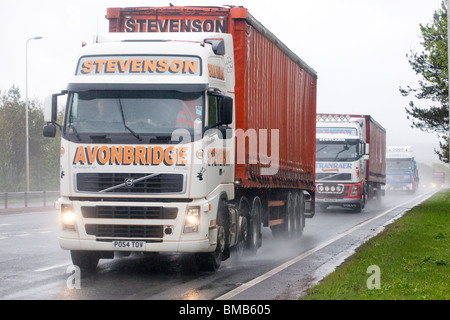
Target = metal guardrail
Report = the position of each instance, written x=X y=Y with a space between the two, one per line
x=26 y=199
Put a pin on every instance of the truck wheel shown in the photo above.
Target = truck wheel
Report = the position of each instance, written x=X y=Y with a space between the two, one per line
x=364 y=197
x=85 y=260
x=291 y=215
x=300 y=215
x=210 y=261
x=242 y=236
x=287 y=229
x=254 y=240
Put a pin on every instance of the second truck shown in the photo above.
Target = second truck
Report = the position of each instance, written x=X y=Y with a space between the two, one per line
x=350 y=160
x=186 y=129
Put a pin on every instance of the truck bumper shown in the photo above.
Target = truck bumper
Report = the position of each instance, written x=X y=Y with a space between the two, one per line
x=349 y=197
x=96 y=225
x=344 y=203
x=93 y=245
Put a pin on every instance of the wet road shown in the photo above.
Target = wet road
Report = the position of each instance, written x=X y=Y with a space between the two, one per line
x=32 y=265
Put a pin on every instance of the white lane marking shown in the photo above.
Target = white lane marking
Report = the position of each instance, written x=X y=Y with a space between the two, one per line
x=274 y=271
x=53 y=267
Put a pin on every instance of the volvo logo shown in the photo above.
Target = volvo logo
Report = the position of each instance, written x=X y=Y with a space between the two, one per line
x=129 y=182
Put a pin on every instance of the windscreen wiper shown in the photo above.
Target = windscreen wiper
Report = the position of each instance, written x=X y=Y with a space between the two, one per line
x=125 y=124
x=346 y=148
x=75 y=131
x=322 y=148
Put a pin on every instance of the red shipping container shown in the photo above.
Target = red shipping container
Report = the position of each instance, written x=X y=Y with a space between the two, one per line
x=275 y=89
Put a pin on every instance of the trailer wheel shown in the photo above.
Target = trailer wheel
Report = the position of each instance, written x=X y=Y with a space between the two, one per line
x=290 y=221
x=85 y=260
x=254 y=240
x=300 y=214
x=287 y=229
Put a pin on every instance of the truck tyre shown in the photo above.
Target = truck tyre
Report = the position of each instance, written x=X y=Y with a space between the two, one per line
x=286 y=230
x=290 y=215
x=300 y=215
x=364 y=196
x=85 y=260
x=210 y=261
x=242 y=236
x=357 y=208
x=254 y=240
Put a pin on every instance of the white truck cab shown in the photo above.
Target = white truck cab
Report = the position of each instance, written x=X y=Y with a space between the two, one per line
x=341 y=155
x=138 y=172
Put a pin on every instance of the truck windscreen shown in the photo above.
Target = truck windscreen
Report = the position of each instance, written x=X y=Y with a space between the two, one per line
x=132 y=116
x=402 y=164
x=343 y=150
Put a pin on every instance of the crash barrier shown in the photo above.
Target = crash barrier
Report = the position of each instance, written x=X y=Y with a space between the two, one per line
x=27 y=199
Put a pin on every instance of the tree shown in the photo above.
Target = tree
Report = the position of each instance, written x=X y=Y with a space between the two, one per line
x=44 y=153
x=432 y=65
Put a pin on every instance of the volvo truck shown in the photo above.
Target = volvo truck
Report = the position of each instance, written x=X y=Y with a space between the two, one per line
x=350 y=161
x=187 y=130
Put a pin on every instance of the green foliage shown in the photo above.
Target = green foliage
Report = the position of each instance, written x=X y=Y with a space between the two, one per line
x=44 y=152
x=432 y=65
x=413 y=254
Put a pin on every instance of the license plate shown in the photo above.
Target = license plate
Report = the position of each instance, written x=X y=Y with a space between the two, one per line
x=128 y=245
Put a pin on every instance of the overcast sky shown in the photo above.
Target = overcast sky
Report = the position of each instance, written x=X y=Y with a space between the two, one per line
x=357 y=47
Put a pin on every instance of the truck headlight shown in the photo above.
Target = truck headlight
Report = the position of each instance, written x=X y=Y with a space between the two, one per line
x=192 y=220
x=354 y=191
x=68 y=217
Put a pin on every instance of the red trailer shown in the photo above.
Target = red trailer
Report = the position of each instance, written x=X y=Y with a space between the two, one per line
x=376 y=164
x=275 y=91
x=274 y=88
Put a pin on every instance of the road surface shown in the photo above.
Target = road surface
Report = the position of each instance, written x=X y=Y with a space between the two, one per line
x=32 y=265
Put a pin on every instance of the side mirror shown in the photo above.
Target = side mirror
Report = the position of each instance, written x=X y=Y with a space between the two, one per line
x=51 y=114
x=49 y=130
x=49 y=109
x=226 y=110
x=218 y=46
x=366 y=149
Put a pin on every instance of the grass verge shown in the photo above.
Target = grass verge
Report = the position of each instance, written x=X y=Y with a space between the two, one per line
x=411 y=258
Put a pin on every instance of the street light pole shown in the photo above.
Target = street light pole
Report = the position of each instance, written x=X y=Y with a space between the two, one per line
x=26 y=113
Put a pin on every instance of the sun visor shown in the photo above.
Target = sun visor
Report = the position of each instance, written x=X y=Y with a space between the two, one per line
x=195 y=87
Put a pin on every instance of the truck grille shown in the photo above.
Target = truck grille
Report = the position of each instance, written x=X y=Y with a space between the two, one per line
x=125 y=183
x=124 y=231
x=124 y=212
x=322 y=177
